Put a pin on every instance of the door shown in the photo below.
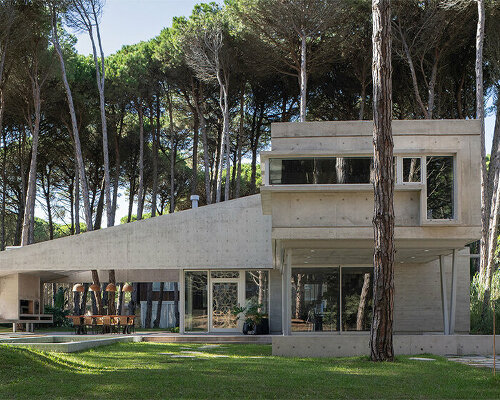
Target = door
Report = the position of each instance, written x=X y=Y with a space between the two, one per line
x=226 y=293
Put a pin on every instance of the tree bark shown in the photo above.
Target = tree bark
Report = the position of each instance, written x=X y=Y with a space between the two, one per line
x=74 y=126
x=149 y=305
x=83 y=303
x=140 y=195
x=381 y=346
x=97 y=294
x=173 y=152
x=303 y=76
x=176 y=304
x=111 y=295
x=156 y=323
x=203 y=129
x=4 y=170
x=133 y=299
x=156 y=138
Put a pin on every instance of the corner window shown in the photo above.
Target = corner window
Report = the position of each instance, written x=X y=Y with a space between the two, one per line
x=411 y=170
x=440 y=187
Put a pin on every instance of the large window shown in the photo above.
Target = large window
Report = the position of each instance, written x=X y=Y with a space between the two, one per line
x=331 y=299
x=440 y=186
x=257 y=289
x=196 y=301
x=320 y=170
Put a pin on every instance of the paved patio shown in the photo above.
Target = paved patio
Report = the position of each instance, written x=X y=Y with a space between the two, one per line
x=477 y=361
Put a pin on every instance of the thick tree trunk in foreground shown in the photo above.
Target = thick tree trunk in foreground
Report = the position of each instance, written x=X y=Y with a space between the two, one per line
x=83 y=303
x=303 y=77
x=111 y=295
x=381 y=346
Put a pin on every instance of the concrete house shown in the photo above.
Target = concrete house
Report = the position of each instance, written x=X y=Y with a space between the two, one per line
x=302 y=247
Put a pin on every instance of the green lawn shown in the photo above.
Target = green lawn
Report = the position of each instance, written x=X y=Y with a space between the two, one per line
x=137 y=370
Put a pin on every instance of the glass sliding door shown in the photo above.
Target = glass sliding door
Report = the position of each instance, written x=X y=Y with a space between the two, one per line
x=331 y=299
x=196 y=301
x=357 y=295
x=315 y=299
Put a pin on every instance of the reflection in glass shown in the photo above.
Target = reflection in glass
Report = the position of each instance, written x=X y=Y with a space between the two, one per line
x=411 y=169
x=357 y=297
x=315 y=299
x=196 y=303
x=320 y=170
x=440 y=187
x=257 y=289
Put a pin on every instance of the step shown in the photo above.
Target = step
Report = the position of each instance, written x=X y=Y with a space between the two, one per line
x=261 y=339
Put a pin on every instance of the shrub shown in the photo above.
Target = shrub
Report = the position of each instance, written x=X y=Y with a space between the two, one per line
x=481 y=319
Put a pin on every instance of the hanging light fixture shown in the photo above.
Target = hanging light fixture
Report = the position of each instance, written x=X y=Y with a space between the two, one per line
x=78 y=288
x=111 y=288
x=95 y=288
x=127 y=288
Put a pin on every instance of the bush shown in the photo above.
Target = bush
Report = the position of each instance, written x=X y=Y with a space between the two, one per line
x=481 y=319
x=59 y=312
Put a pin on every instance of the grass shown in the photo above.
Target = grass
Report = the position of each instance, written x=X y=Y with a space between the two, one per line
x=137 y=370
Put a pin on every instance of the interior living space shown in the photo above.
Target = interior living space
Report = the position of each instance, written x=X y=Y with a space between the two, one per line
x=302 y=249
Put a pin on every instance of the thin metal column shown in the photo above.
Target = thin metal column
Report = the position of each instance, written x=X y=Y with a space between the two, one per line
x=444 y=297
x=453 y=295
x=182 y=299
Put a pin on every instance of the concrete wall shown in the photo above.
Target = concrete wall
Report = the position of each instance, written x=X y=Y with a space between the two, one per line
x=349 y=206
x=359 y=345
x=9 y=297
x=232 y=234
x=417 y=296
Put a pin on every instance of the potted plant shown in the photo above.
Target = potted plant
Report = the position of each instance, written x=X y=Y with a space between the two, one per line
x=255 y=322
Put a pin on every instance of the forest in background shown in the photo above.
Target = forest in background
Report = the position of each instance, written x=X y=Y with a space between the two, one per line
x=188 y=111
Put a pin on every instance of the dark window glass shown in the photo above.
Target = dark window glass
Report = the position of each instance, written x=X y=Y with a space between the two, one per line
x=357 y=295
x=411 y=169
x=257 y=289
x=320 y=170
x=196 y=304
x=315 y=299
x=440 y=187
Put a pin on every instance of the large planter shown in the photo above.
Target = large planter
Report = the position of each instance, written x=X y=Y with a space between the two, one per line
x=261 y=328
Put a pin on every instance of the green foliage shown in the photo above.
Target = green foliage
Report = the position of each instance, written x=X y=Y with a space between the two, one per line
x=481 y=316
x=59 y=311
x=251 y=313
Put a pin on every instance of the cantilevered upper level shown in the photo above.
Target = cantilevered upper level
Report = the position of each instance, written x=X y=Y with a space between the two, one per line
x=317 y=180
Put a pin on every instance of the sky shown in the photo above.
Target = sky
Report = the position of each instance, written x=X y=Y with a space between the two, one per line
x=131 y=21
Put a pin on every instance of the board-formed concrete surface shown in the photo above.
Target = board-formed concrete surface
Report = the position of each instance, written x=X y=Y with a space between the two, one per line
x=348 y=345
x=67 y=344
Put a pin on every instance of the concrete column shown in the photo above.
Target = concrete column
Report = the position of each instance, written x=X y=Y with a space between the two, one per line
x=453 y=295
x=444 y=297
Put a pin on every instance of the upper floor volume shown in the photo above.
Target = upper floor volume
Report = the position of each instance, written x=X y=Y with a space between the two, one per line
x=319 y=174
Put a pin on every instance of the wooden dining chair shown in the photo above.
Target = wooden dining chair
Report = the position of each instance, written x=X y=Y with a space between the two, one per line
x=122 y=323
x=88 y=322
x=131 y=324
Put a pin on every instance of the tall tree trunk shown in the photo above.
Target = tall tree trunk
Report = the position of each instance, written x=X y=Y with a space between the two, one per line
x=83 y=303
x=156 y=138
x=196 y=135
x=100 y=208
x=303 y=76
x=77 y=201
x=133 y=299
x=27 y=235
x=101 y=79
x=228 y=145
x=485 y=199
x=223 y=80
x=74 y=126
x=156 y=323
x=140 y=203
x=363 y=300
x=299 y=296
x=116 y=179
x=381 y=345
x=149 y=305
x=176 y=304
x=203 y=129
x=173 y=151
x=4 y=170
x=46 y=194
x=76 y=303
x=239 y=143
x=97 y=294
x=111 y=295
x=119 y=307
